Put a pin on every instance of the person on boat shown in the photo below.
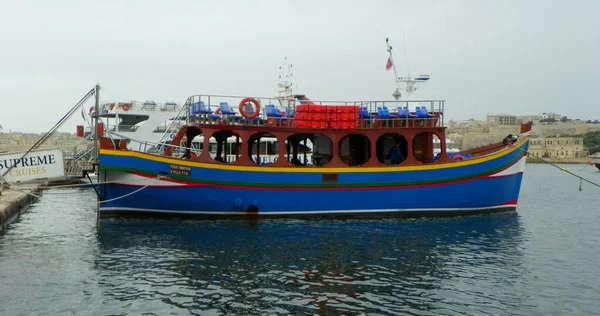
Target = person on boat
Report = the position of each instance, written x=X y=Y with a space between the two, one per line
x=395 y=153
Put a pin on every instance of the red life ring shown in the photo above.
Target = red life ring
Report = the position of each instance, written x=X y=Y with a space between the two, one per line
x=111 y=106
x=125 y=106
x=458 y=158
x=91 y=109
x=218 y=111
x=243 y=110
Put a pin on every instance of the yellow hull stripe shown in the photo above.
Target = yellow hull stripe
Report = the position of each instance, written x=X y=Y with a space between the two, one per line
x=221 y=166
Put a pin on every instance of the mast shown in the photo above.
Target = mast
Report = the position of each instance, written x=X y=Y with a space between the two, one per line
x=284 y=83
x=410 y=82
x=285 y=79
x=96 y=111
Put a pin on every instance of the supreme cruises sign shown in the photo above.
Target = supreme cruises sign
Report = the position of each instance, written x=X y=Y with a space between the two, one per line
x=39 y=164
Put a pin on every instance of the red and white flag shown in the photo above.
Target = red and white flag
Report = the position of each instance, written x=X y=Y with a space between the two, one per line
x=388 y=66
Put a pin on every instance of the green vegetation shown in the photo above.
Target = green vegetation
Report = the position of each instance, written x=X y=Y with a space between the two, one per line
x=591 y=141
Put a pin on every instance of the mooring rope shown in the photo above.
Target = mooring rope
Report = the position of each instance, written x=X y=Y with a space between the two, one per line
x=28 y=191
x=581 y=179
x=124 y=195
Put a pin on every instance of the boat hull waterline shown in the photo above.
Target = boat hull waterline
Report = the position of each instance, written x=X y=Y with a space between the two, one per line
x=139 y=183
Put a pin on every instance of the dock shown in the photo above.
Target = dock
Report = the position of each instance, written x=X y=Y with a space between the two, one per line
x=15 y=200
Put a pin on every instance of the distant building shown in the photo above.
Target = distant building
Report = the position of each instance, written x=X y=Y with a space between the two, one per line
x=551 y=115
x=502 y=120
x=530 y=118
x=558 y=148
x=69 y=143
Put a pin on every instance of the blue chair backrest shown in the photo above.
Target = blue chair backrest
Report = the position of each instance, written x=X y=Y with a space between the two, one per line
x=272 y=111
x=200 y=107
x=403 y=112
x=195 y=108
x=383 y=112
x=226 y=109
x=420 y=112
x=204 y=108
x=364 y=113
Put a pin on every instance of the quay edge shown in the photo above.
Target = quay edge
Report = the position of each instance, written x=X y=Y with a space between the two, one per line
x=14 y=202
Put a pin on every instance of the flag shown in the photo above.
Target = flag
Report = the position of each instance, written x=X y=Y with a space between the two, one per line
x=388 y=66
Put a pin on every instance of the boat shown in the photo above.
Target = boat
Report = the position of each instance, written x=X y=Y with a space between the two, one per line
x=368 y=158
x=137 y=121
x=350 y=174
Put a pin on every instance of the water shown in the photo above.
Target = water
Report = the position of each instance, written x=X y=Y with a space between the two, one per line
x=58 y=260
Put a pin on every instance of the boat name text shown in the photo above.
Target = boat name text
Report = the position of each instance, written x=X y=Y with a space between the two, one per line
x=180 y=170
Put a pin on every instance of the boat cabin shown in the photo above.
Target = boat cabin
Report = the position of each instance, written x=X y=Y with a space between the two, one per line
x=298 y=132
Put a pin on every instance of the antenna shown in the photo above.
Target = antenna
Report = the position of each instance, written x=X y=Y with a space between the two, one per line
x=410 y=82
x=285 y=79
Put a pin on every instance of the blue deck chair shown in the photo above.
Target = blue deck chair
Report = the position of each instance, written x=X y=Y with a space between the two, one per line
x=364 y=113
x=422 y=112
x=271 y=111
x=403 y=112
x=384 y=113
x=228 y=111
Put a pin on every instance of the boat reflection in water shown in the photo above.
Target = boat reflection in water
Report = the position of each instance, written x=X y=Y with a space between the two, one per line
x=384 y=266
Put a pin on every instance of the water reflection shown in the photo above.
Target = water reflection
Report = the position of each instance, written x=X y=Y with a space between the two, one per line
x=420 y=266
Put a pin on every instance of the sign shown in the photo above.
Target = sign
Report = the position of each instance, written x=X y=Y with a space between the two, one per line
x=38 y=164
x=180 y=170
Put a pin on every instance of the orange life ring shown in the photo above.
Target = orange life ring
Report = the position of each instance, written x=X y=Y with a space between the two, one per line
x=125 y=106
x=458 y=158
x=243 y=110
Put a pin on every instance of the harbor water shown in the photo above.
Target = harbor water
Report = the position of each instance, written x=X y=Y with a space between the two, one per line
x=59 y=259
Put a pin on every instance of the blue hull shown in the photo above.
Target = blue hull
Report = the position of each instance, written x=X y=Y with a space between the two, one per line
x=137 y=184
x=493 y=194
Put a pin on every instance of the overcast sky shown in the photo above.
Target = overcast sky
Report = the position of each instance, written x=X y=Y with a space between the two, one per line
x=517 y=57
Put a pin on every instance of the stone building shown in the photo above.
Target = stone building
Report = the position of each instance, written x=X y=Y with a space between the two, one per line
x=69 y=143
x=502 y=120
x=557 y=149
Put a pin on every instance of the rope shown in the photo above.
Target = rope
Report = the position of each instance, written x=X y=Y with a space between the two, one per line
x=581 y=179
x=125 y=195
x=83 y=184
x=28 y=191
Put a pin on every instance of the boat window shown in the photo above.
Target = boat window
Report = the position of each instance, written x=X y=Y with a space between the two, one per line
x=423 y=147
x=298 y=149
x=385 y=152
x=263 y=148
x=437 y=147
x=224 y=146
x=355 y=149
x=322 y=149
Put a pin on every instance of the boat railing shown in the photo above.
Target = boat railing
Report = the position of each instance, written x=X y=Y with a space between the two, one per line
x=145 y=145
x=300 y=112
x=127 y=106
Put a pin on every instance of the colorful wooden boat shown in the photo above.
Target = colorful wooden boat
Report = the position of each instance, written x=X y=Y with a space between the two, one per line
x=346 y=172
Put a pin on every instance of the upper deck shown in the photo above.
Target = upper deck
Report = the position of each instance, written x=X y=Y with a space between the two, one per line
x=299 y=112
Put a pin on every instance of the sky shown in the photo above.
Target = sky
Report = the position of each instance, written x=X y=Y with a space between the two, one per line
x=484 y=57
